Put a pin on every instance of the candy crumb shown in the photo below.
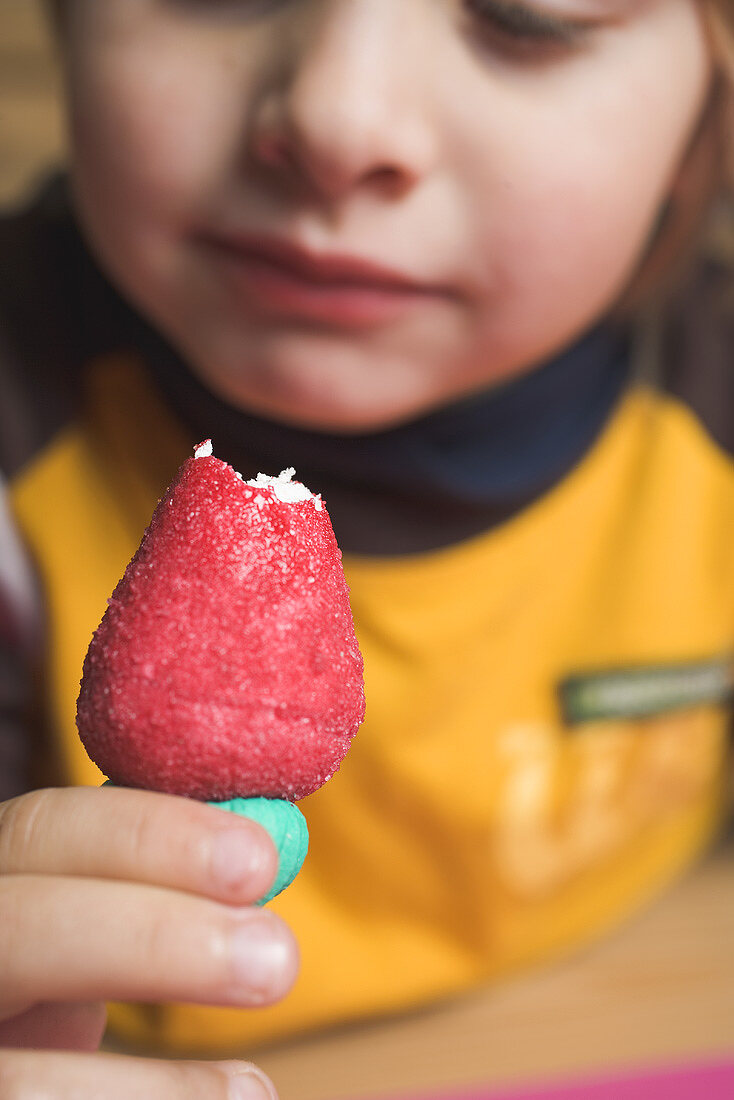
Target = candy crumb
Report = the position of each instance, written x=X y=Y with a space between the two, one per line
x=284 y=487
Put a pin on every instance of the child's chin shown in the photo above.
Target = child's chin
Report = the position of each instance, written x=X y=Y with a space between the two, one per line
x=328 y=412
x=341 y=419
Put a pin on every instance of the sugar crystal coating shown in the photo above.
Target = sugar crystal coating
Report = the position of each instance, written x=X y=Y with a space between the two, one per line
x=226 y=665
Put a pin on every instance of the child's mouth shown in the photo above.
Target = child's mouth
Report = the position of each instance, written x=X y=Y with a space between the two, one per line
x=278 y=281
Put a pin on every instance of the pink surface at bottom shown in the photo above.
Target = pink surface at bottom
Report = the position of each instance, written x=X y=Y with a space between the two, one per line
x=712 y=1082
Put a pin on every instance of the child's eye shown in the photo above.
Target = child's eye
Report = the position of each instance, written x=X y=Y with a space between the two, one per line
x=520 y=28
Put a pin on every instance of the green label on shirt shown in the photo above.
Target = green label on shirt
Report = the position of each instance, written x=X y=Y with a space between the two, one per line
x=637 y=692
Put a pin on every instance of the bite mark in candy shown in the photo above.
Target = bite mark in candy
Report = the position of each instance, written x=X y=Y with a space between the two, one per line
x=226 y=665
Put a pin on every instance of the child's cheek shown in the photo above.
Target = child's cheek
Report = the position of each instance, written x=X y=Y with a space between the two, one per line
x=154 y=120
x=572 y=182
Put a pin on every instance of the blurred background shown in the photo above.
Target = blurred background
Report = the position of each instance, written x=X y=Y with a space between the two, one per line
x=659 y=993
x=31 y=124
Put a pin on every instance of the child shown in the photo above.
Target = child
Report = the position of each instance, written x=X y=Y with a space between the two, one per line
x=415 y=250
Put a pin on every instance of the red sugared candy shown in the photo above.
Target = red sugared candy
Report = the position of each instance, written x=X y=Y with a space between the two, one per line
x=226 y=664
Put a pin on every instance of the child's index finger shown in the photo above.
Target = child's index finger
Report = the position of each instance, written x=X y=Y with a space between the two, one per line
x=137 y=836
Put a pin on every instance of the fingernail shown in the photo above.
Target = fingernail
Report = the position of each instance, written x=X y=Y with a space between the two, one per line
x=261 y=959
x=237 y=858
x=247 y=1082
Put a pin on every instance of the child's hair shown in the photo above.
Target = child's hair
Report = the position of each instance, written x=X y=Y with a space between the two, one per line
x=699 y=214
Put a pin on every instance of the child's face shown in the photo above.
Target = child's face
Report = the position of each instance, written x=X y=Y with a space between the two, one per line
x=515 y=177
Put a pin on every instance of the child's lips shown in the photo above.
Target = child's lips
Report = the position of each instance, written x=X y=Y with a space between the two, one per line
x=280 y=278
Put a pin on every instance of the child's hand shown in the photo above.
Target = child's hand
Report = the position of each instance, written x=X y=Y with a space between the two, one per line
x=114 y=894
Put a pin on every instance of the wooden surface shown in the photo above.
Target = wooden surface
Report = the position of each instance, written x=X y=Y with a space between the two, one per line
x=659 y=991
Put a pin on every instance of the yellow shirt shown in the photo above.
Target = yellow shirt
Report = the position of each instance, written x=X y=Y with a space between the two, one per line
x=546 y=707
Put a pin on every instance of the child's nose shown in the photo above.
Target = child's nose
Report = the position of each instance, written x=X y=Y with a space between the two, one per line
x=352 y=107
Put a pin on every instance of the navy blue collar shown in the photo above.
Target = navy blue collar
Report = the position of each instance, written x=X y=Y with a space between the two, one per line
x=436 y=480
